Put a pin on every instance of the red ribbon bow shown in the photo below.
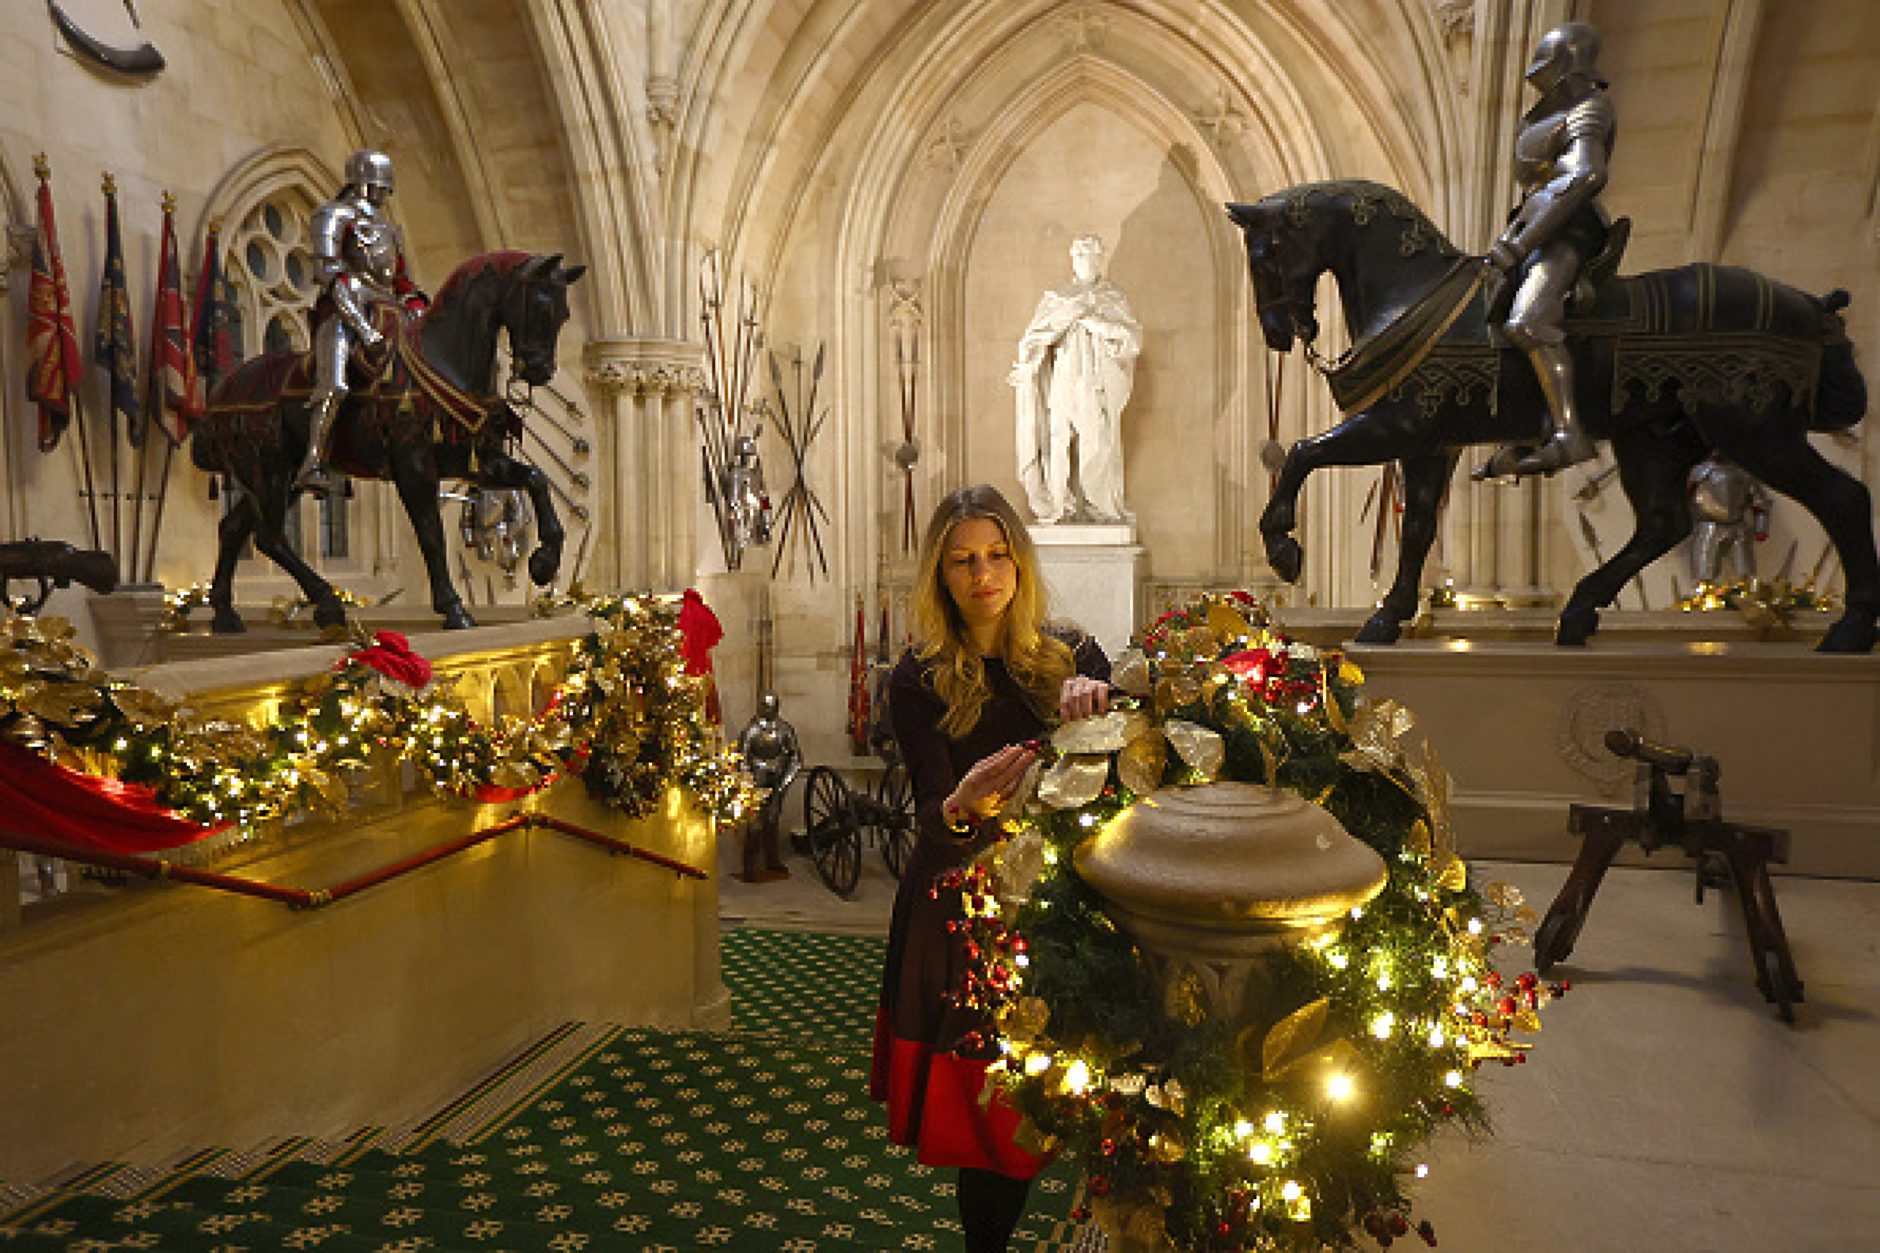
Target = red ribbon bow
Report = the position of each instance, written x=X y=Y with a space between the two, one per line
x=390 y=654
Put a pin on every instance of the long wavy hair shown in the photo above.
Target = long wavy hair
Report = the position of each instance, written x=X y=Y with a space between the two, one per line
x=1039 y=662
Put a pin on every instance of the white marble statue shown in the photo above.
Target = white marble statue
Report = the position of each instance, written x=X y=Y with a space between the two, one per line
x=1073 y=375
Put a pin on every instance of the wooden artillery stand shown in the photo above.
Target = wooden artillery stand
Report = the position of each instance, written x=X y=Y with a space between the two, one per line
x=1744 y=851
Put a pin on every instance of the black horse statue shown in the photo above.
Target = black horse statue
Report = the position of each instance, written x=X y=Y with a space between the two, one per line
x=422 y=410
x=1673 y=365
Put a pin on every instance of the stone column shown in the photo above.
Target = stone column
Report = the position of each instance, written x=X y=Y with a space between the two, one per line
x=646 y=537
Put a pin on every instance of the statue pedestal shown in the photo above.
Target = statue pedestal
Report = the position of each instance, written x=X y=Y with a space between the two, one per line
x=1095 y=573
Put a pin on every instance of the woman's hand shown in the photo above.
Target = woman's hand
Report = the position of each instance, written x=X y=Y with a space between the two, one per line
x=983 y=790
x=1082 y=697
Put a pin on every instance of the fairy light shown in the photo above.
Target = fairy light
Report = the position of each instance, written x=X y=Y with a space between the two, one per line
x=1037 y=1063
x=1275 y=1122
x=1077 y=1078
x=1382 y=1025
x=1260 y=1152
x=1453 y=1079
x=1340 y=1087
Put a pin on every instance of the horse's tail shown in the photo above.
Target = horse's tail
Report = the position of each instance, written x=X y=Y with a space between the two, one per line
x=1841 y=392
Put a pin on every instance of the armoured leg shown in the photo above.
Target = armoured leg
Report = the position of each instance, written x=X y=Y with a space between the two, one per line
x=1568 y=444
x=1533 y=325
x=331 y=346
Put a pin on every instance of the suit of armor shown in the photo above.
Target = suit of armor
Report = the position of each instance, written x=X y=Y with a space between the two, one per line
x=1561 y=155
x=362 y=266
x=1729 y=512
x=773 y=755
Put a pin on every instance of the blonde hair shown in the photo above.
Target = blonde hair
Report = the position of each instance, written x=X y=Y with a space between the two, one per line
x=1039 y=662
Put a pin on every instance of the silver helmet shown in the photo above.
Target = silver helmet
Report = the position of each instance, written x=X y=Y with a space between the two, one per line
x=1567 y=50
x=369 y=168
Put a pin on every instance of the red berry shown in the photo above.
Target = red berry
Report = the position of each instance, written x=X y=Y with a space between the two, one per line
x=1506 y=1006
x=1494 y=979
x=1099 y=1185
x=1398 y=1223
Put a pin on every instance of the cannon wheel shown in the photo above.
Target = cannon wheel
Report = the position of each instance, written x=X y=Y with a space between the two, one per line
x=830 y=827
x=894 y=827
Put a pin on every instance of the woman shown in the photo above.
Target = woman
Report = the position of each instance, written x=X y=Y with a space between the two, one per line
x=967 y=703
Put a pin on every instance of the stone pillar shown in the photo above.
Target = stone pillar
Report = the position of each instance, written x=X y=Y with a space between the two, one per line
x=646 y=538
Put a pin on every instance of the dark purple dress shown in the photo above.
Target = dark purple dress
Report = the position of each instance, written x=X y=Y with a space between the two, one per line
x=928 y=1079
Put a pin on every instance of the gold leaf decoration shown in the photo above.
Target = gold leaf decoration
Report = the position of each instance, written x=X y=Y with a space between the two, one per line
x=1502 y=895
x=1293 y=1038
x=1073 y=781
x=1418 y=842
x=1201 y=642
x=1141 y=763
x=1374 y=736
x=141 y=706
x=1201 y=748
x=1130 y=674
x=1105 y=733
x=1333 y=714
x=1450 y=872
x=1527 y=1020
x=1227 y=623
x=1027 y=790
x=61 y=703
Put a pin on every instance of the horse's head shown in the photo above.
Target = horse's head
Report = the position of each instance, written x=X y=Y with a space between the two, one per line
x=1285 y=264
x=533 y=312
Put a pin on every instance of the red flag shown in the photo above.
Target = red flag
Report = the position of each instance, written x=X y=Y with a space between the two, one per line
x=53 y=365
x=173 y=389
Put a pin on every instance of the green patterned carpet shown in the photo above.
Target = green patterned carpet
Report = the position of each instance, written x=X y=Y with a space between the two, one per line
x=602 y=1138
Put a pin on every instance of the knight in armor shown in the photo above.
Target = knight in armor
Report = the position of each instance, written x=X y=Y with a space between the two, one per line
x=361 y=256
x=1729 y=513
x=772 y=754
x=1561 y=155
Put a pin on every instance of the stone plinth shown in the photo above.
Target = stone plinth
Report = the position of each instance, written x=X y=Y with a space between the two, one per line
x=1095 y=572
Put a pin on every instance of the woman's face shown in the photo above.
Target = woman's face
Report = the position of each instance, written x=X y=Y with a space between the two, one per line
x=980 y=573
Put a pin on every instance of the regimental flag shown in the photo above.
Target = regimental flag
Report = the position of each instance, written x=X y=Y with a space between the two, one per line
x=173 y=392
x=53 y=367
x=114 y=347
x=212 y=325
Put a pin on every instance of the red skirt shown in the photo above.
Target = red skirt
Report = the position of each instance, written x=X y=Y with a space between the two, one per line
x=934 y=1107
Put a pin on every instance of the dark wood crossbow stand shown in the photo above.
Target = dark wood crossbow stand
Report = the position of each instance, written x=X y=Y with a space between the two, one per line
x=1689 y=815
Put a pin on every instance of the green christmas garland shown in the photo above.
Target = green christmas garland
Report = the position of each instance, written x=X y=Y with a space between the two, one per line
x=1301 y=1129
x=628 y=719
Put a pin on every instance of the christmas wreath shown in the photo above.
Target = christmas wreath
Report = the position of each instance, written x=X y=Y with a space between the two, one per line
x=1299 y=1129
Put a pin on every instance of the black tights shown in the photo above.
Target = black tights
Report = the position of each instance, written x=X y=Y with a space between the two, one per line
x=990 y=1206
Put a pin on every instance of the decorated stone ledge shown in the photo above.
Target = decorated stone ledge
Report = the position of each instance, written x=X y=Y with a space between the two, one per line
x=1234 y=967
x=626 y=715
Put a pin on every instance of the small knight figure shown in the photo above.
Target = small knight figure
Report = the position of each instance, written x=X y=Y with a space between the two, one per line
x=772 y=754
x=1731 y=512
x=361 y=256
x=1561 y=154
x=744 y=494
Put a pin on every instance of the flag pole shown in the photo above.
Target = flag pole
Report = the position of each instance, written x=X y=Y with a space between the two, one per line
x=83 y=450
x=117 y=488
